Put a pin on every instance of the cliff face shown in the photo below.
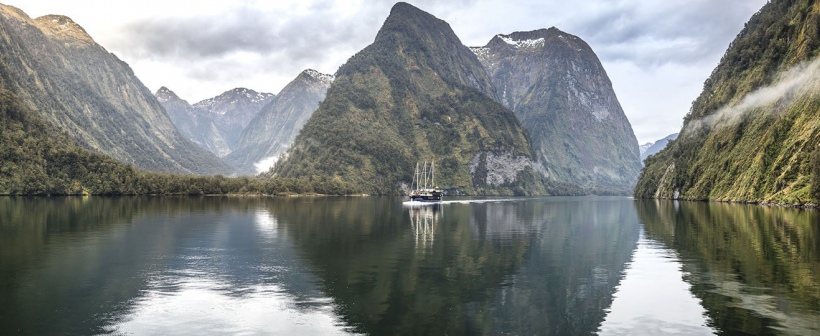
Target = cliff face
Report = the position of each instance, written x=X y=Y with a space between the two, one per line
x=753 y=133
x=231 y=112
x=275 y=127
x=215 y=123
x=55 y=68
x=560 y=92
x=415 y=94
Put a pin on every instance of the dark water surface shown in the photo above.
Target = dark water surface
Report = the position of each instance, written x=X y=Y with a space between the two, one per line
x=363 y=265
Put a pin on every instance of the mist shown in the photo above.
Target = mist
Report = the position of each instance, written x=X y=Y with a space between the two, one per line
x=790 y=84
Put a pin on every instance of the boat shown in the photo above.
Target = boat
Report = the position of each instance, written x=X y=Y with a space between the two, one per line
x=423 y=188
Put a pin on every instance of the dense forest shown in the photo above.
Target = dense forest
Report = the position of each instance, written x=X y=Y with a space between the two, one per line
x=752 y=135
x=37 y=159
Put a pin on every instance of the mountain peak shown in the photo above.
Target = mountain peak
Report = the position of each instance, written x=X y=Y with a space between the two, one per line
x=223 y=102
x=62 y=27
x=409 y=20
x=15 y=12
x=536 y=39
x=403 y=7
x=324 y=78
x=165 y=94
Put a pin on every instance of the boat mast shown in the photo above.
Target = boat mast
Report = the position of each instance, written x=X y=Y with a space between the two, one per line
x=414 y=184
x=433 y=173
x=425 y=173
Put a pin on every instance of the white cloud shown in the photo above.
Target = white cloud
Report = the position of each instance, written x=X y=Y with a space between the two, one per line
x=790 y=84
x=657 y=53
x=265 y=164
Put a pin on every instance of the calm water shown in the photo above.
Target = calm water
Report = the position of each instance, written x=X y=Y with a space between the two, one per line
x=558 y=266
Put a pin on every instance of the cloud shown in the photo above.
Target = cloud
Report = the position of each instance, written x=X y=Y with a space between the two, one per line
x=241 y=30
x=652 y=33
x=265 y=164
x=202 y=48
x=790 y=84
x=658 y=53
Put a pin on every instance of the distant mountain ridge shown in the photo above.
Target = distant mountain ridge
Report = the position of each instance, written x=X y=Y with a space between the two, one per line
x=58 y=70
x=657 y=146
x=276 y=125
x=560 y=92
x=417 y=93
x=215 y=123
x=642 y=148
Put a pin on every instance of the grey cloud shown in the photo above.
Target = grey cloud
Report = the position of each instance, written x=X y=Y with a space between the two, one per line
x=678 y=31
x=198 y=38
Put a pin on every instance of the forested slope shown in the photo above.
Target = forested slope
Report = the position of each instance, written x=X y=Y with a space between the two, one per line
x=753 y=133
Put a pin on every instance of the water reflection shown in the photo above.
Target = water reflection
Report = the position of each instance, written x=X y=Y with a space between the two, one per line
x=423 y=220
x=152 y=265
x=755 y=269
x=369 y=265
x=540 y=266
x=653 y=298
x=577 y=260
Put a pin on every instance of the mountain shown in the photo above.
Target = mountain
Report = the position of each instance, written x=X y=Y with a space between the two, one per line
x=193 y=123
x=233 y=110
x=39 y=159
x=752 y=134
x=275 y=127
x=642 y=148
x=560 y=92
x=657 y=146
x=215 y=123
x=415 y=94
x=56 y=68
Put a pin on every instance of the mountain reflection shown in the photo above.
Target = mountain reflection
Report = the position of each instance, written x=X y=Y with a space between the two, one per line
x=523 y=266
x=137 y=265
x=577 y=261
x=754 y=268
x=323 y=265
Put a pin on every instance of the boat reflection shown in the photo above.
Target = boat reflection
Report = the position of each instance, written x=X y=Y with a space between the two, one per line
x=424 y=219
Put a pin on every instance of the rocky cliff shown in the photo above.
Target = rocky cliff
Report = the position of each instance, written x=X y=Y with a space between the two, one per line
x=560 y=92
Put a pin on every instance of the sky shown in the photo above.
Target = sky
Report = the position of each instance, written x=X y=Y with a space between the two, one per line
x=656 y=53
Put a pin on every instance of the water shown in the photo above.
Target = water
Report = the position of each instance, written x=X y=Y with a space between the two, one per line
x=359 y=265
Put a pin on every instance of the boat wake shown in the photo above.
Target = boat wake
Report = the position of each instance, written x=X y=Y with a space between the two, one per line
x=461 y=201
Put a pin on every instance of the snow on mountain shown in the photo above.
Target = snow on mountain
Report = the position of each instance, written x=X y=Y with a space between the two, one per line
x=529 y=43
x=644 y=147
x=320 y=76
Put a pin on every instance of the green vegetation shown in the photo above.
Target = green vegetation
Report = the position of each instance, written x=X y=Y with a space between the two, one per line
x=815 y=174
x=765 y=153
x=415 y=94
x=80 y=88
x=36 y=159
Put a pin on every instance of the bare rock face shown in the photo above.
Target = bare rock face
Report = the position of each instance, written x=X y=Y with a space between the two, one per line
x=215 y=123
x=53 y=66
x=275 y=127
x=558 y=89
x=496 y=169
